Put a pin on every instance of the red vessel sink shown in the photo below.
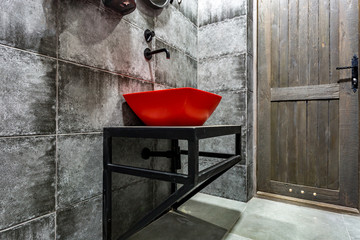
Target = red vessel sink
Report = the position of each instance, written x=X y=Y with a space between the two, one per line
x=173 y=107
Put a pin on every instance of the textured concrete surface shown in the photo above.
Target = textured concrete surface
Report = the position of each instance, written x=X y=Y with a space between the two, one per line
x=81 y=221
x=226 y=73
x=175 y=29
x=179 y=226
x=127 y=151
x=38 y=229
x=90 y=99
x=189 y=9
x=28 y=93
x=130 y=204
x=27 y=178
x=261 y=219
x=226 y=37
x=178 y=71
x=80 y=165
x=352 y=224
x=96 y=38
x=231 y=109
x=219 y=211
x=231 y=185
x=217 y=11
x=29 y=26
x=265 y=219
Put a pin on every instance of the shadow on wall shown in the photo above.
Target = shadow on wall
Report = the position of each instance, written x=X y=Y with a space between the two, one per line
x=129 y=117
x=143 y=7
x=92 y=31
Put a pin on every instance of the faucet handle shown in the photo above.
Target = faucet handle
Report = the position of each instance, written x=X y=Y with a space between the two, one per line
x=148 y=34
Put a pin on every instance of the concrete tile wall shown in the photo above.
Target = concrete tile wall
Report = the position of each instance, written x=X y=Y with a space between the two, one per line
x=225 y=68
x=65 y=65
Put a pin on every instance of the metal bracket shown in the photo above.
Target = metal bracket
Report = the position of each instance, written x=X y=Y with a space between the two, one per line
x=354 y=73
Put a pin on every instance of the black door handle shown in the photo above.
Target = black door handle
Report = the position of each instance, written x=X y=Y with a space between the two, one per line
x=354 y=76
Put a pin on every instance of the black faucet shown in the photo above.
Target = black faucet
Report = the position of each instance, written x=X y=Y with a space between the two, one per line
x=148 y=53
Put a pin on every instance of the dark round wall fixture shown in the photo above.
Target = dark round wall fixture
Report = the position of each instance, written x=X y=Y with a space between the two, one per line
x=157 y=3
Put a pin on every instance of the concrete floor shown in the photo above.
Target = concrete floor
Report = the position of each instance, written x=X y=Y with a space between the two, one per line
x=206 y=217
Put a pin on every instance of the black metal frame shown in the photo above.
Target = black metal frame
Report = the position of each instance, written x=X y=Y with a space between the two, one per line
x=193 y=182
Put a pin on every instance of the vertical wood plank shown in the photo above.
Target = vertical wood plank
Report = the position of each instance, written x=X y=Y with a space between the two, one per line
x=264 y=104
x=275 y=140
x=333 y=160
x=312 y=121
x=275 y=81
x=301 y=136
x=323 y=106
x=311 y=141
x=284 y=82
x=304 y=79
x=348 y=105
x=292 y=150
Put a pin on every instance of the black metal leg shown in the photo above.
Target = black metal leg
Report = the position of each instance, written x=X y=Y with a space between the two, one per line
x=193 y=160
x=107 y=182
x=174 y=162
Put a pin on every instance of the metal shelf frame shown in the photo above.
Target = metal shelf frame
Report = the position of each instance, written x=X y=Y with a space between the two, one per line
x=192 y=183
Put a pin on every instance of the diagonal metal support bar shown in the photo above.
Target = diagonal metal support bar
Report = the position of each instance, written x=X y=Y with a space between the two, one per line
x=219 y=167
x=148 y=173
x=198 y=188
x=162 y=208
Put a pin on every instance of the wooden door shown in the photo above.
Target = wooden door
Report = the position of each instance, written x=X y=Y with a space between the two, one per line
x=307 y=112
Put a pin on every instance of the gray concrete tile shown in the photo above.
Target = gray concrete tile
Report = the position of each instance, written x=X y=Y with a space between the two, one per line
x=225 y=73
x=217 y=11
x=90 y=99
x=178 y=71
x=80 y=165
x=231 y=109
x=141 y=18
x=27 y=177
x=161 y=189
x=28 y=93
x=250 y=44
x=183 y=36
x=127 y=151
x=189 y=9
x=82 y=221
x=219 y=211
x=231 y=185
x=175 y=226
x=29 y=25
x=265 y=219
x=41 y=228
x=226 y=37
x=130 y=204
x=93 y=37
x=352 y=224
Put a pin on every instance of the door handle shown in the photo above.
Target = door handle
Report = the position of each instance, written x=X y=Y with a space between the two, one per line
x=354 y=75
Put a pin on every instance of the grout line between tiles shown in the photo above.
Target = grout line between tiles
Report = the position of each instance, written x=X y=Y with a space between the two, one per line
x=27 y=221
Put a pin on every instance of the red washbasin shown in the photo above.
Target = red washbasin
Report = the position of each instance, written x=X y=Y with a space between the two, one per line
x=173 y=107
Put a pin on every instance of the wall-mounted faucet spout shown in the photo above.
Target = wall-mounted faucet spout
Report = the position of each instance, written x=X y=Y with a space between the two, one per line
x=148 y=53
